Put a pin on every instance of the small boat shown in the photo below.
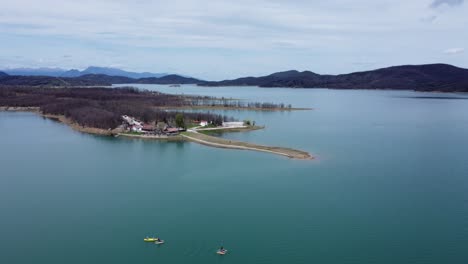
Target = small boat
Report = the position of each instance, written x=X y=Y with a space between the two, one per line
x=221 y=251
x=150 y=239
x=159 y=241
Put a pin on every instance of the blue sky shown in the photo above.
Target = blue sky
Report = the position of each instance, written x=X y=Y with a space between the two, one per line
x=227 y=39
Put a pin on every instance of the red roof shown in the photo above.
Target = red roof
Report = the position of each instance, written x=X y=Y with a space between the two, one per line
x=147 y=127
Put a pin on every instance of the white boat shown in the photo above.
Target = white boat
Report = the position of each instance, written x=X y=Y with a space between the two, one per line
x=221 y=251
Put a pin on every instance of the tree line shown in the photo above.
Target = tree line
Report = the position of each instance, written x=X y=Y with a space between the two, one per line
x=213 y=101
x=102 y=107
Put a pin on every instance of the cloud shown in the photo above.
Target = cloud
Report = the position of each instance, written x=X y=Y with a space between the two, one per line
x=453 y=51
x=437 y=3
x=238 y=24
x=197 y=37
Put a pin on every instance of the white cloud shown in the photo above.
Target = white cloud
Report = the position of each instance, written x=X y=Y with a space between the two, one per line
x=225 y=36
x=454 y=51
x=209 y=24
x=437 y=3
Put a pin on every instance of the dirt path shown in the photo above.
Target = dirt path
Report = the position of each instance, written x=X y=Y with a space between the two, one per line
x=225 y=143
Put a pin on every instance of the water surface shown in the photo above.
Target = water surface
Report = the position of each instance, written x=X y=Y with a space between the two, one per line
x=388 y=186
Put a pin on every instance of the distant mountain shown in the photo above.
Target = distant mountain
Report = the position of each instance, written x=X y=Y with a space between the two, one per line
x=265 y=80
x=118 y=72
x=35 y=71
x=170 y=79
x=102 y=79
x=57 y=72
x=430 y=77
x=71 y=73
x=3 y=74
x=92 y=80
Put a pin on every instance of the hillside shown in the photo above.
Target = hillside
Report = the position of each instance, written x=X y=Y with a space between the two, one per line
x=54 y=72
x=430 y=77
x=100 y=107
x=169 y=79
x=49 y=81
x=91 y=80
x=3 y=74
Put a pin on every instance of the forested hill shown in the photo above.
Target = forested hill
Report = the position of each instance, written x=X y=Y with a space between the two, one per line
x=91 y=80
x=169 y=79
x=430 y=77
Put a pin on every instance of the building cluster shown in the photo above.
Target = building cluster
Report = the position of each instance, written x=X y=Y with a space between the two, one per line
x=132 y=124
x=201 y=123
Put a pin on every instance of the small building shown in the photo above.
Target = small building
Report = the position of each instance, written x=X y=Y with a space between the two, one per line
x=148 y=128
x=136 y=128
x=131 y=120
x=171 y=131
x=203 y=123
x=127 y=119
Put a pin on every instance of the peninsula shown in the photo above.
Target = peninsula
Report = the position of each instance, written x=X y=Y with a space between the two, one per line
x=134 y=113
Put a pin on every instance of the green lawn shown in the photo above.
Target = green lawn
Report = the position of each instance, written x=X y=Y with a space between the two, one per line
x=132 y=133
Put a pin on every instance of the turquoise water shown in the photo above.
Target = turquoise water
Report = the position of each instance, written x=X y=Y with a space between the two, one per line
x=388 y=186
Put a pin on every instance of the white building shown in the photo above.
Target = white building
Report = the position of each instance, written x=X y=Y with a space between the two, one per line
x=203 y=123
x=131 y=121
x=233 y=124
x=137 y=128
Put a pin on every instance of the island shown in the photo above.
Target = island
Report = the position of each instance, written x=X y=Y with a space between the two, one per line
x=134 y=113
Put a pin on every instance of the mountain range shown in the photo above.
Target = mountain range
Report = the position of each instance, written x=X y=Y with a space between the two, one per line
x=58 y=72
x=429 y=77
x=92 y=80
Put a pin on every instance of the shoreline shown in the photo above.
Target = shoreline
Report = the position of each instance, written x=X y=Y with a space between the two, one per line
x=77 y=127
x=202 y=107
x=228 y=129
x=151 y=137
x=190 y=135
x=20 y=108
x=62 y=119
x=232 y=144
x=325 y=88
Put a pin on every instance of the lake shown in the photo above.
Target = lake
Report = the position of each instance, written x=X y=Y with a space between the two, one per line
x=388 y=185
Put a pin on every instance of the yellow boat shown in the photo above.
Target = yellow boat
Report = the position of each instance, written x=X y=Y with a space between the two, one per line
x=150 y=239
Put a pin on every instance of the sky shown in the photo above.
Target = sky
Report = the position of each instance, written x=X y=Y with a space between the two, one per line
x=216 y=40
